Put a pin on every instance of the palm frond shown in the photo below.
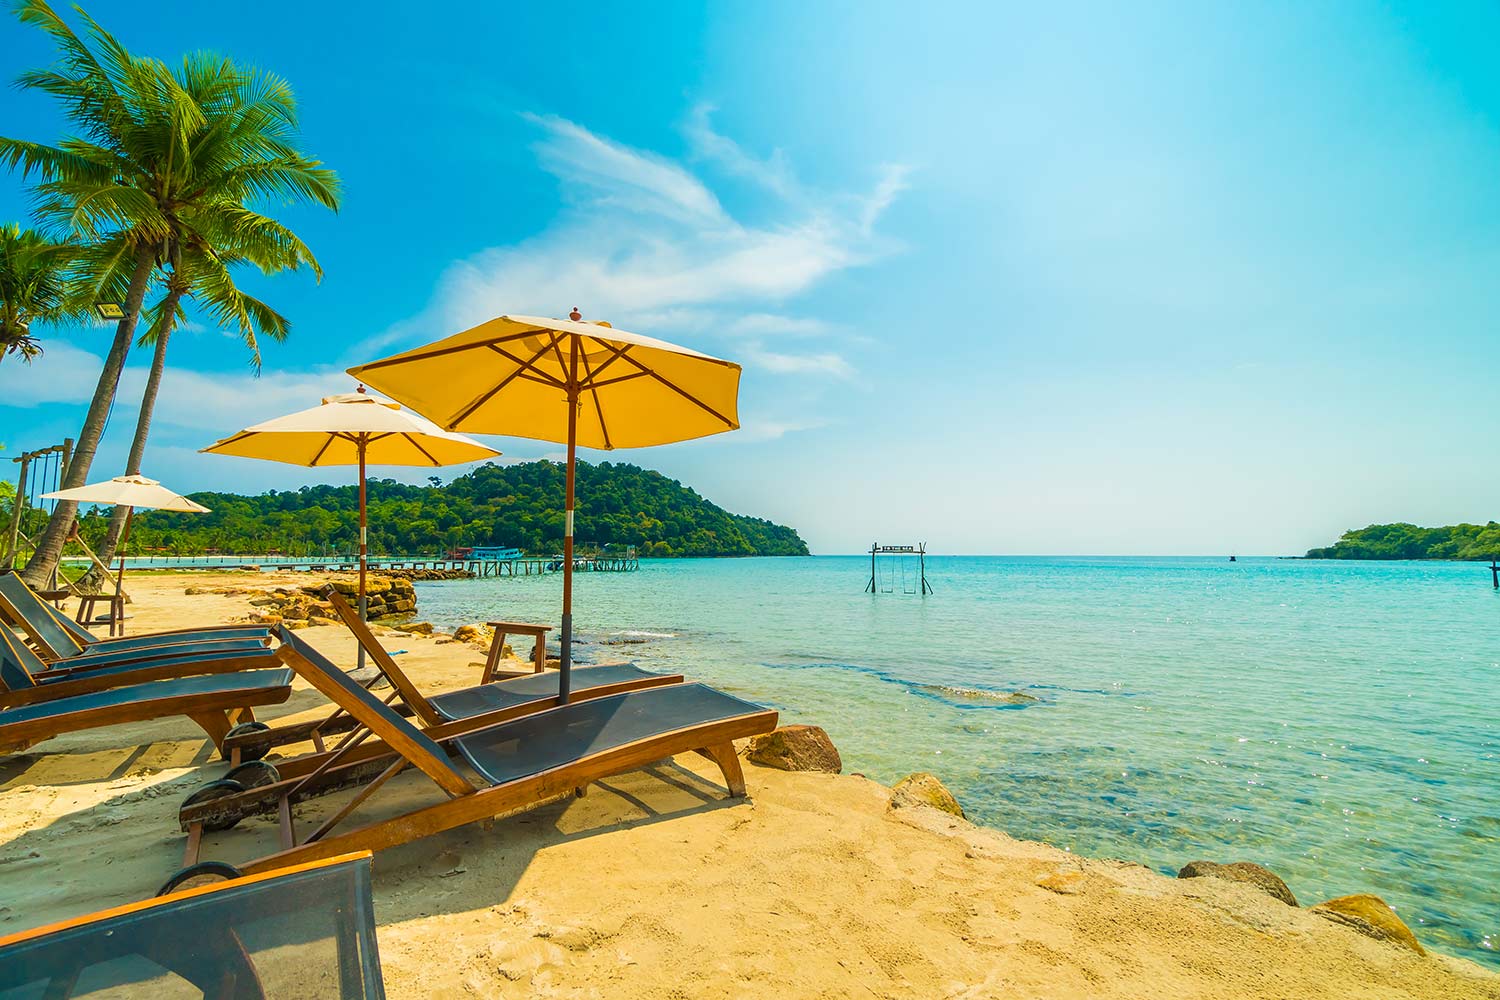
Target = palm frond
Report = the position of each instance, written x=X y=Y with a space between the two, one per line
x=176 y=161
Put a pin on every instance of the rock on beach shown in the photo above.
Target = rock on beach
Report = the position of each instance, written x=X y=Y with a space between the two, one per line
x=1370 y=916
x=923 y=789
x=1246 y=872
x=796 y=748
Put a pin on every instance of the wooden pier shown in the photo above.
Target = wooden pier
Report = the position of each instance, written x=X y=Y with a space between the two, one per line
x=477 y=562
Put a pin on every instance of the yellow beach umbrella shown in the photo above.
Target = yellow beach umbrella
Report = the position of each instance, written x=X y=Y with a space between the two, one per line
x=353 y=429
x=566 y=381
x=130 y=492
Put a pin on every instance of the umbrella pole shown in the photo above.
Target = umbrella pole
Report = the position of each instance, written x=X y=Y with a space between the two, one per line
x=119 y=606
x=565 y=653
x=363 y=605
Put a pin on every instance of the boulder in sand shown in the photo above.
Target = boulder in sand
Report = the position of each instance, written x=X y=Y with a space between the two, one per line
x=1247 y=872
x=415 y=628
x=1372 y=917
x=475 y=633
x=923 y=789
x=795 y=748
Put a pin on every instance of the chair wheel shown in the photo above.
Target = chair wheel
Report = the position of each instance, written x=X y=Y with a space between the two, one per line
x=254 y=773
x=220 y=789
x=243 y=729
x=203 y=873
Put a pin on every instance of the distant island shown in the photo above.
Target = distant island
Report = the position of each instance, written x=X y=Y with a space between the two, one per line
x=1408 y=541
x=511 y=505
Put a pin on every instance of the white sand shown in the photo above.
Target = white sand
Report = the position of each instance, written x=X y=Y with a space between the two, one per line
x=655 y=885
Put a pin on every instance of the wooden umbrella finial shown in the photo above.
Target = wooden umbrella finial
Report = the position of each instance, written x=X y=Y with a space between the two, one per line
x=575 y=315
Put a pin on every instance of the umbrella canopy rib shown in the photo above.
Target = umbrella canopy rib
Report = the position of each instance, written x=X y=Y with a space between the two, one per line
x=439 y=352
x=316 y=458
x=417 y=445
x=562 y=364
x=598 y=406
x=528 y=369
x=436 y=353
x=615 y=354
x=489 y=394
x=653 y=373
x=601 y=383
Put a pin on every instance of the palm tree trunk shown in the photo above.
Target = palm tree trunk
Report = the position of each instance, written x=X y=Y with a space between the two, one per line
x=106 y=551
x=50 y=545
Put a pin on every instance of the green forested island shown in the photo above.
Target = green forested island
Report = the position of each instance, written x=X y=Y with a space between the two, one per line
x=1408 y=541
x=513 y=505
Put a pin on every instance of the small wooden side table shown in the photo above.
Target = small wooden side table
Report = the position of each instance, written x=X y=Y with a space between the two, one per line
x=86 y=614
x=502 y=629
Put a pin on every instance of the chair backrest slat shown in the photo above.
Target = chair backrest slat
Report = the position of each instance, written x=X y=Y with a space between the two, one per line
x=383 y=660
x=23 y=609
x=17 y=663
x=339 y=688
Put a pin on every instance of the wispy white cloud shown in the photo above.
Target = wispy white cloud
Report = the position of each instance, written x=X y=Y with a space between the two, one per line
x=758 y=430
x=608 y=174
x=824 y=363
x=63 y=374
x=774 y=324
x=647 y=242
x=215 y=404
x=220 y=403
x=706 y=143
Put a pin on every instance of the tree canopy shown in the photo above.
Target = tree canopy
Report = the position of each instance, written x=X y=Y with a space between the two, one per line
x=157 y=164
x=1408 y=541
x=512 y=505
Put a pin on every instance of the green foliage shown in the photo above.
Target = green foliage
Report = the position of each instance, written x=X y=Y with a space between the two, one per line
x=1408 y=541
x=36 y=288
x=170 y=161
x=515 y=505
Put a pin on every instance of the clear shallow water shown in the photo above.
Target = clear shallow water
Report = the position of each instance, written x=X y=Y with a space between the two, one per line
x=1338 y=722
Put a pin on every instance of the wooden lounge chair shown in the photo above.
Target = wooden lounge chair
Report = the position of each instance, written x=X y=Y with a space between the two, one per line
x=35 y=712
x=511 y=766
x=497 y=701
x=297 y=932
x=65 y=643
x=25 y=679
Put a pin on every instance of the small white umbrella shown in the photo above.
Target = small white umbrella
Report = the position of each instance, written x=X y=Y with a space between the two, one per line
x=129 y=492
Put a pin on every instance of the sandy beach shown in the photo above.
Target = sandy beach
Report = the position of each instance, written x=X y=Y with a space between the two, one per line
x=655 y=884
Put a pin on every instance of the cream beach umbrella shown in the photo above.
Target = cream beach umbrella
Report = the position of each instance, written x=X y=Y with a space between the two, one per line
x=353 y=429
x=129 y=492
x=566 y=381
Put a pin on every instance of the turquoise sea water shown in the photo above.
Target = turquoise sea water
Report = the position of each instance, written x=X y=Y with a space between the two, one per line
x=1338 y=722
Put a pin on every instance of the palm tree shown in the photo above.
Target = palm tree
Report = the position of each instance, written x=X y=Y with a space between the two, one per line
x=159 y=157
x=206 y=277
x=35 y=288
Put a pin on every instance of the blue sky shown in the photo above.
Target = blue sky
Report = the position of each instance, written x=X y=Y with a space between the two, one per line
x=1095 y=279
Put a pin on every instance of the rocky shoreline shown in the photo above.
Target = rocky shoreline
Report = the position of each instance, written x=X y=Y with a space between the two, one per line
x=808 y=748
x=386 y=597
